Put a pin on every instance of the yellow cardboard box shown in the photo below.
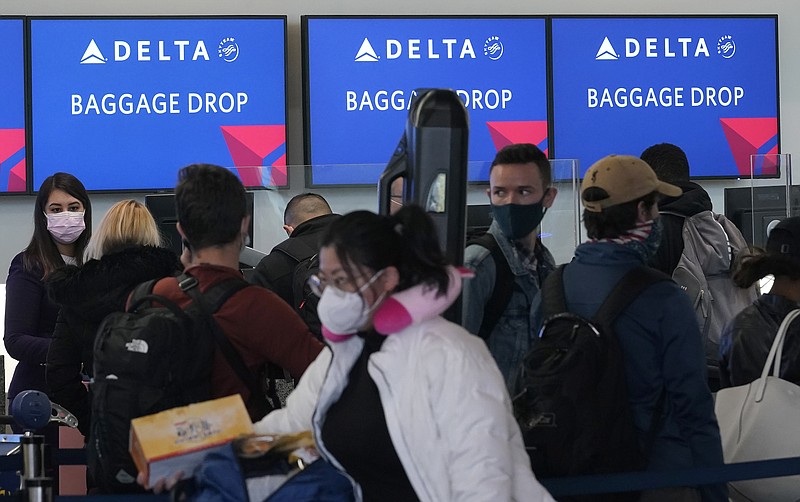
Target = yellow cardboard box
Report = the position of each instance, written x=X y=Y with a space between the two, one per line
x=178 y=439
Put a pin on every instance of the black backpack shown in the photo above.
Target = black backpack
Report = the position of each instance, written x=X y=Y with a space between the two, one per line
x=571 y=401
x=503 y=284
x=304 y=301
x=153 y=357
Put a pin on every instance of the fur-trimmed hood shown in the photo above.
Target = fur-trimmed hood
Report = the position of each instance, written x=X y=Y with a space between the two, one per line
x=102 y=286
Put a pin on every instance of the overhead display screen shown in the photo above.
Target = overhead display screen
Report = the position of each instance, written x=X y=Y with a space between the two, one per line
x=123 y=103
x=706 y=84
x=12 y=107
x=361 y=74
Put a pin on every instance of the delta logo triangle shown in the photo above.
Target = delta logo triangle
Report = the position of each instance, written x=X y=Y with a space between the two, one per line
x=92 y=55
x=606 y=52
x=366 y=52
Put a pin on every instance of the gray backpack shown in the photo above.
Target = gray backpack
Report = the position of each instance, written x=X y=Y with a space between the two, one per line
x=711 y=244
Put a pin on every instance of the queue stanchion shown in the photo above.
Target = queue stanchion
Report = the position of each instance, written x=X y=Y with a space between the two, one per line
x=31 y=410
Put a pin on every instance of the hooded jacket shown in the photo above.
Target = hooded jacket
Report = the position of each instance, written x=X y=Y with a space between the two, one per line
x=86 y=296
x=694 y=200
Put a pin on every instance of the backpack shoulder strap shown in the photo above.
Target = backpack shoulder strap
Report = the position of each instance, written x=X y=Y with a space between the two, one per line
x=219 y=293
x=208 y=303
x=296 y=249
x=143 y=294
x=553 y=298
x=503 y=285
x=139 y=293
x=299 y=251
x=627 y=289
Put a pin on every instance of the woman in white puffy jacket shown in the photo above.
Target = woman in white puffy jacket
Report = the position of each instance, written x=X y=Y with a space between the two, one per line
x=410 y=406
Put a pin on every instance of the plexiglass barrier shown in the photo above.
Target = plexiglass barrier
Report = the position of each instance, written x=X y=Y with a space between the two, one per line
x=561 y=226
x=756 y=208
x=560 y=229
x=760 y=207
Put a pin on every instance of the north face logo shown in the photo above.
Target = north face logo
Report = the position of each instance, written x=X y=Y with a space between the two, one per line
x=137 y=345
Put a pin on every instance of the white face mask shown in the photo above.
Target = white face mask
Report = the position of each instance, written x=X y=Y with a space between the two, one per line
x=343 y=312
x=66 y=226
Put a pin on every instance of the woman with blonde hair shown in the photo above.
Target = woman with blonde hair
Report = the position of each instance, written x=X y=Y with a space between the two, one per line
x=126 y=223
x=124 y=251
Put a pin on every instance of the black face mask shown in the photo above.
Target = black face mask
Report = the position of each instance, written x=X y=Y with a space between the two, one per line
x=518 y=220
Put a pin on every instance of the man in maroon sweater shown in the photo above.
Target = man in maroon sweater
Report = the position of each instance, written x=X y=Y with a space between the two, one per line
x=213 y=222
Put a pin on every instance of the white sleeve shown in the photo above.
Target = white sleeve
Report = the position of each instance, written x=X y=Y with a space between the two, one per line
x=297 y=414
x=487 y=458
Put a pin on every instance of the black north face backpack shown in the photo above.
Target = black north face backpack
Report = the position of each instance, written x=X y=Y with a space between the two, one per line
x=571 y=399
x=153 y=357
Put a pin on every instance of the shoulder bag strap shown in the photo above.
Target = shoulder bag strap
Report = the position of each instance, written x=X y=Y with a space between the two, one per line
x=217 y=295
x=554 y=299
x=627 y=289
x=775 y=353
x=503 y=285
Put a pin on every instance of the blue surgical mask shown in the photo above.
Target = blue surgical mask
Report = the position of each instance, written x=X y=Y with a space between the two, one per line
x=517 y=221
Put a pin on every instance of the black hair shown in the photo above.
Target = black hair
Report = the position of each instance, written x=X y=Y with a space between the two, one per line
x=305 y=206
x=612 y=221
x=42 y=252
x=525 y=153
x=758 y=264
x=668 y=161
x=406 y=240
x=211 y=204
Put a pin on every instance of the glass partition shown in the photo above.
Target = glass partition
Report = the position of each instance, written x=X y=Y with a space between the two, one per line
x=561 y=226
x=560 y=229
x=757 y=207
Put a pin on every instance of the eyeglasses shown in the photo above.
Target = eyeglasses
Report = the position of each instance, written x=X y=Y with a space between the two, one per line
x=317 y=284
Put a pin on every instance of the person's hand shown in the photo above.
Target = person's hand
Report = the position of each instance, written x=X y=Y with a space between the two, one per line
x=162 y=484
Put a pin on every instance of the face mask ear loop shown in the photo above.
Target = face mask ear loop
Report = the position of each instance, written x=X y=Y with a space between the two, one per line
x=372 y=308
x=370 y=281
x=369 y=310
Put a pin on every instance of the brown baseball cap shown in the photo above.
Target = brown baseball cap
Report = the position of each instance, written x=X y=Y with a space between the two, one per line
x=624 y=178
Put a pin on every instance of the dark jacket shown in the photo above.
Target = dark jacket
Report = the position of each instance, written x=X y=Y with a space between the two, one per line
x=746 y=341
x=87 y=295
x=662 y=350
x=276 y=270
x=29 y=323
x=694 y=200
